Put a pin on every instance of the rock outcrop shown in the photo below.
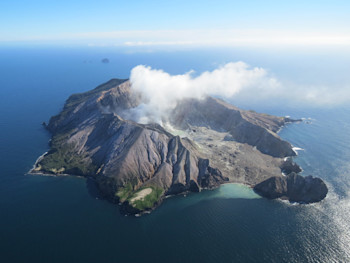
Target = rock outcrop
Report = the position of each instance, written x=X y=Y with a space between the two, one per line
x=293 y=187
x=207 y=143
x=288 y=166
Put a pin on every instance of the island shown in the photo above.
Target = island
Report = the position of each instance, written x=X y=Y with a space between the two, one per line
x=105 y=60
x=202 y=144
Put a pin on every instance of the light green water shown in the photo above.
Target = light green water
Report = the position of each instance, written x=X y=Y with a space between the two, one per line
x=226 y=191
x=235 y=191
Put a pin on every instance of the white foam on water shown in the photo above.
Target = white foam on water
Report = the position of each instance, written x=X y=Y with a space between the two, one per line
x=296 y=149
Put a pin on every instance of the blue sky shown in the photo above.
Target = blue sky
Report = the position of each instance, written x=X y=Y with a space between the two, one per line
x=212 y=23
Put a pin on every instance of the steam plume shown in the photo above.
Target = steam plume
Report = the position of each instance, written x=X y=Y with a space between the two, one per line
x=160 y=90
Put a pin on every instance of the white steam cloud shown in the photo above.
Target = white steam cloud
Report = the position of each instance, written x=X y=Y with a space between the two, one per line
x=236 y=82
x=161 y=91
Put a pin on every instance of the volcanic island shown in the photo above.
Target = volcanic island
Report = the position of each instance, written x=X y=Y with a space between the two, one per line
x=201 y=144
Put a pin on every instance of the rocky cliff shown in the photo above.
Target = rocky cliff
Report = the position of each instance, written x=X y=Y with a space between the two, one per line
x=293 y=187
x=202 y=144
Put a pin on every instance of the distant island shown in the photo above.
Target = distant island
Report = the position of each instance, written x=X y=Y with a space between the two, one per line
x=205 y=143
x=105 y=60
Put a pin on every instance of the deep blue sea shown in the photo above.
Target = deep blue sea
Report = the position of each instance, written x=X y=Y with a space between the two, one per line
x=60 y=219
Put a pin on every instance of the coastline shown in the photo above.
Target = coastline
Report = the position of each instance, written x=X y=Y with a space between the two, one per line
x=40 y=173
x=36 y=162
x=124 y=207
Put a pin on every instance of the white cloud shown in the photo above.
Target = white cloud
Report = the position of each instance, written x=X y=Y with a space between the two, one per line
x=233 y=81
x=161 y=91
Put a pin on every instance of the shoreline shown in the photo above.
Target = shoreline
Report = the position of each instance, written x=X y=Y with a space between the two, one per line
x=36 y=162
x=160 y=202
x=35 y=170
x=40 y=173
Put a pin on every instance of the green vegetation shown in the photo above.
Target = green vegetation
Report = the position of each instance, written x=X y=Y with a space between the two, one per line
x=124 y=192
x=62 y=158
x=128 y=189
x=127 y=193
x=149 y=200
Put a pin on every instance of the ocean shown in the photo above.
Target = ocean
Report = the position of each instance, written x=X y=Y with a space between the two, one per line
x=62 y=219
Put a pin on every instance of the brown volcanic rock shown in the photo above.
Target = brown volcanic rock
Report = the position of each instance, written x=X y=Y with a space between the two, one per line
x=288 y=166
x=293 y=187
x=120 y=152
x=92 y=136
x=245 y=127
